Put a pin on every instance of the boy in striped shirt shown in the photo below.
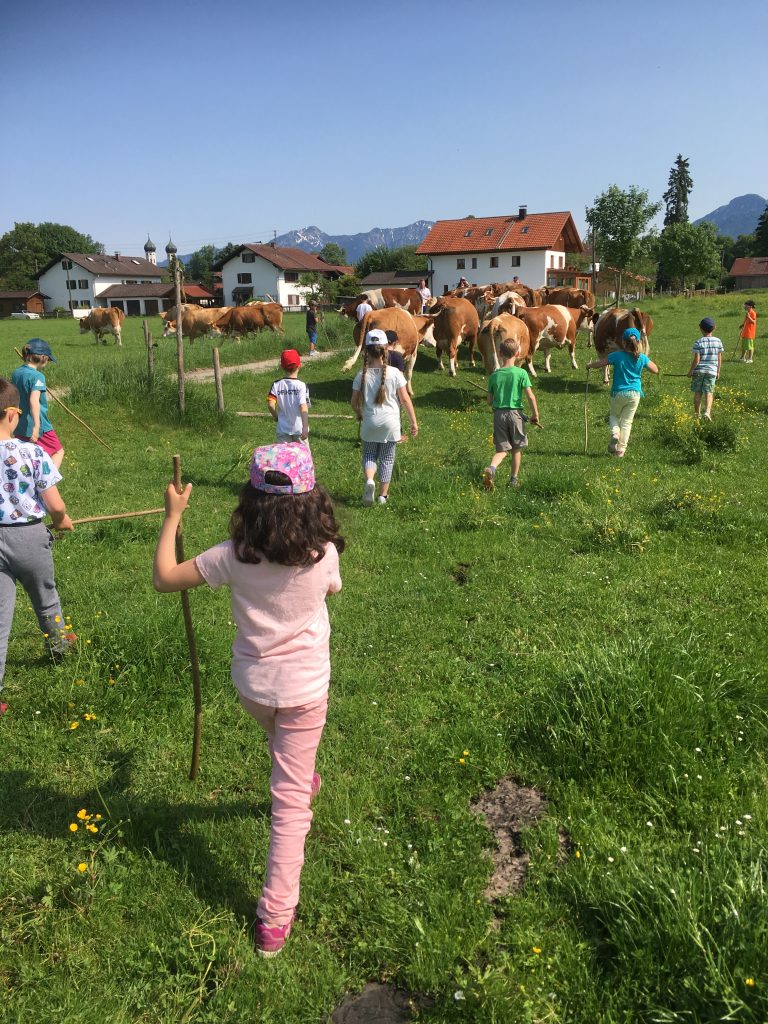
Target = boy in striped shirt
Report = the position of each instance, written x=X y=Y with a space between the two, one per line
x=705 y=368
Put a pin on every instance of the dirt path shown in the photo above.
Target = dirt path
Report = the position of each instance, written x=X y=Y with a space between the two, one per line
x=264 y=364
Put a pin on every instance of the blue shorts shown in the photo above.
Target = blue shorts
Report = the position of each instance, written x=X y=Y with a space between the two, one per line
x=312 y=335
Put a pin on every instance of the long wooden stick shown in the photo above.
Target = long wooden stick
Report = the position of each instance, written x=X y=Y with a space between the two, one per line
x=190 y=631
x=481 y=388
x=586 y=415
x=118 y=515
x=67 y=409
x=312 y=415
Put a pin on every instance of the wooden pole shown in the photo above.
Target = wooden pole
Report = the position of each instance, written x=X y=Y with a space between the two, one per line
x=217 y=380
x=67 y=409
x=118 y=515
x=312 y=415
x=150 y=352
x=586 y=415
x=179 y=337
x=190 y=631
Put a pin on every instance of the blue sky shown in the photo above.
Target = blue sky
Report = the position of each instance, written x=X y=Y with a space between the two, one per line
x=352 y=116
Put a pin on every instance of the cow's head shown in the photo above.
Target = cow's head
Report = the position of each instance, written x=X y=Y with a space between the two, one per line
x=85 y=324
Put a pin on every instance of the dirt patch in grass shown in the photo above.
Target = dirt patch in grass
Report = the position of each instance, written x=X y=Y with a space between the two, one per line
x=507 y=810
x=376 y=1004
x=461 y=573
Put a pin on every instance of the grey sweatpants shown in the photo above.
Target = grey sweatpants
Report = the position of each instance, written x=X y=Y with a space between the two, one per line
x=25 y=556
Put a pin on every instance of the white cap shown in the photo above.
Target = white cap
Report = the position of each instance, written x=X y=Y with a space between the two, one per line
x=376 y=337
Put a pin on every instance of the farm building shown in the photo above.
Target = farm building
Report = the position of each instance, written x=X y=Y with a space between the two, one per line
x=606 y=283
x=150 y=299
x=76 y=280
x=21 y=302
x=749 y=272
x=395 y=279
x=489 y=249
x=272 y=272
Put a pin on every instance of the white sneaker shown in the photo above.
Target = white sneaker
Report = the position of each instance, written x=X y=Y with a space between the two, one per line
x=382 y=499
x=369 y=490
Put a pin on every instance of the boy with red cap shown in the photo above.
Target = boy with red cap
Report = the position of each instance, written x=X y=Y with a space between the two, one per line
x=288 y=401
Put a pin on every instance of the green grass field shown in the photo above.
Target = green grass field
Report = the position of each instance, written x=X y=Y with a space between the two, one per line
x=599 y=633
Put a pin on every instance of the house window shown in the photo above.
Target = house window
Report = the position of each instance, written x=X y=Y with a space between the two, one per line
x=243 y=278
x=468 y=234
x=474 y=262
x=292 y=276
x=72 y=285
x=515 y=261
x=249 y=257
x=494 y=261
x=66 y=264
x=552 y=281
x=524 y=231
x=460 y=264
x=83 y=285
x=561 y=261
x=294 y=300
x=85 y=304
x=489 y=231
x=551 y=260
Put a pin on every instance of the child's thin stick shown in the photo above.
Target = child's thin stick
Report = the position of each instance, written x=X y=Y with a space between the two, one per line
x=190 y=631
x=586 y=415
x=67 y=409
x=119 y=515
x=485 y=391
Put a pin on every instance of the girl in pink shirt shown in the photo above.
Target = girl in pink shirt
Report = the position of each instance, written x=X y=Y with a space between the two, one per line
x=280 y=564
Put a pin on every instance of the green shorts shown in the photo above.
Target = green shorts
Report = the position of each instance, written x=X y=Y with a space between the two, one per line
x=747 y=344
x=703 y=383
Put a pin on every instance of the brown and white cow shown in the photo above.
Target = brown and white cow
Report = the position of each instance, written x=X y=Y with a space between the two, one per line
x=574 y=298
x=395 y=319
x=531 y=296
x=385 y=298
x=453 y=321
x=611 y=325
x=550 y=327
x=104 y=321
x=196 y=321
x=504 y=327
x=257 y=316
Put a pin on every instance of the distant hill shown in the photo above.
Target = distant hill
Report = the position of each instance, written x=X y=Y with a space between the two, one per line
x=739 y=217
x=312 y=239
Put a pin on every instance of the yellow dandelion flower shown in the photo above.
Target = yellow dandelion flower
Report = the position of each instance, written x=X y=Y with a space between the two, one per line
x=462 y=761
x=536 y=949
x=465 y=753
x=91 y=828
x=750 y=982
x=79 y=682
x=74 y=827
x=110 y=682
x=89 y=716
x=83 y=815
x=82 y=866
x=97 y=817
x=74 y=725
x=578 y=853
x=57 y=618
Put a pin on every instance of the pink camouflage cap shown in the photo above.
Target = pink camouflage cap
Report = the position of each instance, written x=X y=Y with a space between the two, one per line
x=293 y=459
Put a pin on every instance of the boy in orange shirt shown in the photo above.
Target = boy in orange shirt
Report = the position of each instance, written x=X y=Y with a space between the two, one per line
x=748 y=332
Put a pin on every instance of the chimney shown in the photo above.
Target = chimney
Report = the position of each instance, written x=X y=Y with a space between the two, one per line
x=522 y=213
x=117 y=256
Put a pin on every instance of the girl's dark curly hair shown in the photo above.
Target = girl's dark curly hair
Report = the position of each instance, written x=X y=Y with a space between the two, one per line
x=290 y=529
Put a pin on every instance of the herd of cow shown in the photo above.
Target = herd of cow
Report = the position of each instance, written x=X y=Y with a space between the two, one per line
x=538 y=319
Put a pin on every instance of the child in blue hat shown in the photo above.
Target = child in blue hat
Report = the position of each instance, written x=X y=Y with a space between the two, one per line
x=34 y=424
x=628 y=363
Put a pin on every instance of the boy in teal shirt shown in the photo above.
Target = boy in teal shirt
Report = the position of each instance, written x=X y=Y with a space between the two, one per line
x=506 y=387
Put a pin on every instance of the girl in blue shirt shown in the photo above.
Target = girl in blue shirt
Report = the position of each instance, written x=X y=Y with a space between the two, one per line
x=626 y=391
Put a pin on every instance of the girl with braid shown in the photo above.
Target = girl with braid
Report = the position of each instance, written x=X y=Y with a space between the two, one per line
x=378 y=391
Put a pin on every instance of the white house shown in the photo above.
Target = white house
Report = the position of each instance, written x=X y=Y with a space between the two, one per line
x=271 y=272
x=76 y=280
x=485 y=250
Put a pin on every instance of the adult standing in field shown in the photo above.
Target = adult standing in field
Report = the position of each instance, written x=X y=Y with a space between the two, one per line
x=312 y=326
x=748 y=332
x=363 y=308
x=34 y=424
x=378 y=391
x=628 y=363
x=280 y=565
x=705 y=368
x=425 y=294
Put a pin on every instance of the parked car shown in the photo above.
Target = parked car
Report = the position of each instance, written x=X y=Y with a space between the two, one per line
x=26 y=315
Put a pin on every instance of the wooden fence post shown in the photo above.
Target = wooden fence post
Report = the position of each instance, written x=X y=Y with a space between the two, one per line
x=179 y=337
x=217 y=380
x=150 y=352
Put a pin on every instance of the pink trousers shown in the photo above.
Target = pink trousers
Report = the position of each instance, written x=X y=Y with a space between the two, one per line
x=294 y=736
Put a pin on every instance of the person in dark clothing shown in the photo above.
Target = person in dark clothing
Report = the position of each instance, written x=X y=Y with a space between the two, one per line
x=312 y=327
x=394 y=358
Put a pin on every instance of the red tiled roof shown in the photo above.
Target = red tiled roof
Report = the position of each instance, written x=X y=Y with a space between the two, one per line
x=153 y=291
x=197 y=291
x=502 y=234
x=109 y=266
x=749 y=266
x=286 y=258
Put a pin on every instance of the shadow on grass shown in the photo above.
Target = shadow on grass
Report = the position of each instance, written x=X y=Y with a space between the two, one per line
x=158 y=826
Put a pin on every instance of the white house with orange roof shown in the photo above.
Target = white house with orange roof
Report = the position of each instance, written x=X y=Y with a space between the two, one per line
x=486 y=250
x=273 y=272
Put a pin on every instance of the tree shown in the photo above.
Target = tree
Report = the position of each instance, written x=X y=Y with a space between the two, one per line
x=26 y=249
x=743 y=246
x=381 y=259
x=619 y=220
x=690 y=253
x=333 y=254
x=199 y=265
x=679 y=187
x=761 y=235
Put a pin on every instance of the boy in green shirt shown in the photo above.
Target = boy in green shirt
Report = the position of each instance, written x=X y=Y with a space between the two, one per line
x=506 y=387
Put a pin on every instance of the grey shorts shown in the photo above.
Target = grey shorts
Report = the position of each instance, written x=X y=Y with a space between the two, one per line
x=509 y=429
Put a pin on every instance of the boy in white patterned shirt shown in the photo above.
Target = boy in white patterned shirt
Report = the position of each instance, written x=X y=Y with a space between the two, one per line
x=705 y=368
x=288 y=401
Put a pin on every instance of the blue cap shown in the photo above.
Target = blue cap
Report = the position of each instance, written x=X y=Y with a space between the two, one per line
x=631 y=332
x=707 y=324
x=38 y=347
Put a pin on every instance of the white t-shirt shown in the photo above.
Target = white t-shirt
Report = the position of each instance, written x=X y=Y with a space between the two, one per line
x=425 y=293
x=362 y=309
x=291 y=393
x=380 y=422
x=280 y=656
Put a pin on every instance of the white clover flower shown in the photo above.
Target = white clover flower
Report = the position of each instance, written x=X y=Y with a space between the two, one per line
x=347 y=821
x=458 y=995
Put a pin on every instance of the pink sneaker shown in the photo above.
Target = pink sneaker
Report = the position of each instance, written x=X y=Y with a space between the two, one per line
x=269 y=941
x=316 y=784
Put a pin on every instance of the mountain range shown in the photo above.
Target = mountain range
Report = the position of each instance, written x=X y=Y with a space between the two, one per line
x=739 y=217
x=312 y=239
